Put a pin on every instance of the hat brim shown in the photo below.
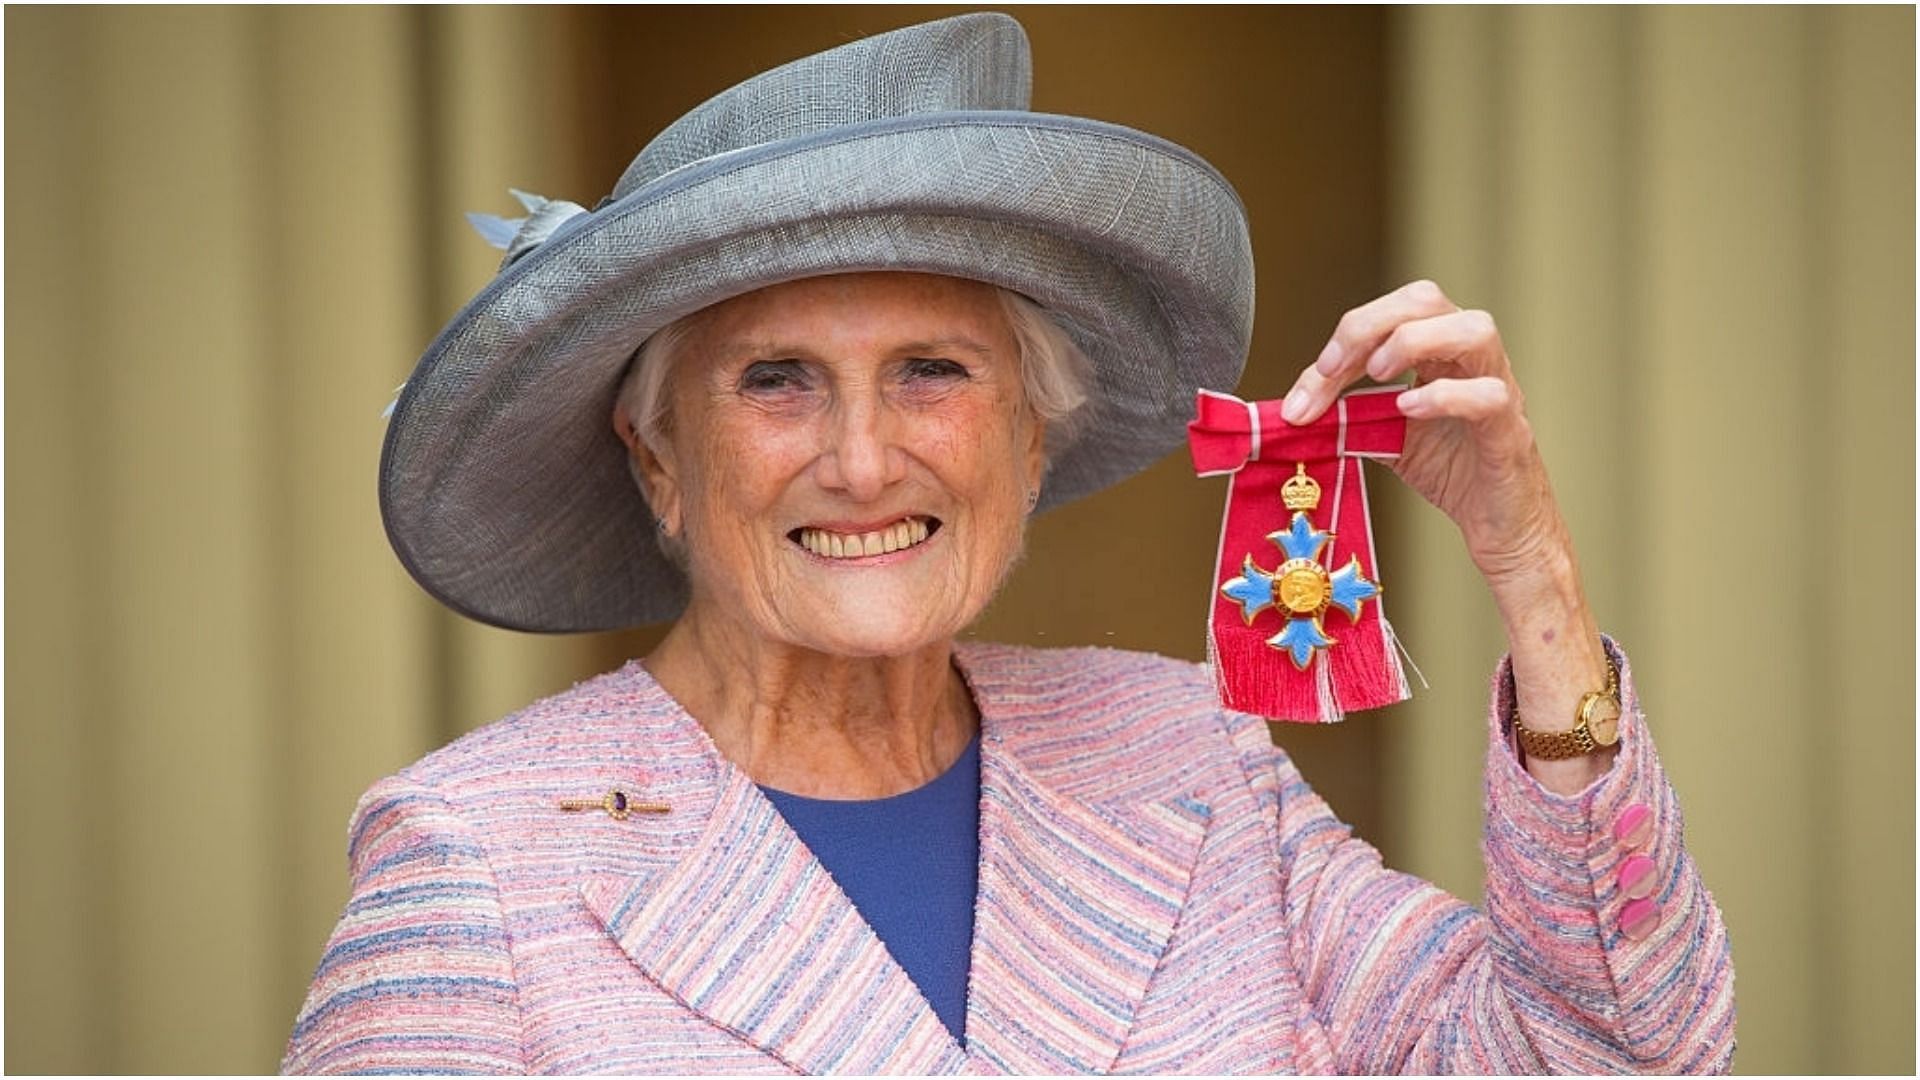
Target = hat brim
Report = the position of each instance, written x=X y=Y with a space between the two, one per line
x=508 y=497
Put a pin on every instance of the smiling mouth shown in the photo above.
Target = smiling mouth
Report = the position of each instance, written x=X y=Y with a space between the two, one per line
x=903 y=534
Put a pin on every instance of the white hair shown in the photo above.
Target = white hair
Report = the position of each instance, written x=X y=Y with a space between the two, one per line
x=1053 y=370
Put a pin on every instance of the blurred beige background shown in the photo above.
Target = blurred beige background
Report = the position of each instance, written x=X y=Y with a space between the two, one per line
x=229 y=232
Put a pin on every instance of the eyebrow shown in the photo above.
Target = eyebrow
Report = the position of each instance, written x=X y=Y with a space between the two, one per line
x=945 y=344
x=762 y=347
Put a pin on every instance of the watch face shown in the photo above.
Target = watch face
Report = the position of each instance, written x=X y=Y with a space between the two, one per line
x=1603 y=721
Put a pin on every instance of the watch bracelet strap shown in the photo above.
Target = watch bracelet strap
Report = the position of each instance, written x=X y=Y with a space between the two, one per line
x=1554 y=745
x=1558 y=745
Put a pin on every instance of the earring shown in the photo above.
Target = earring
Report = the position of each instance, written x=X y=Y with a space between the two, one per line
x=1033 y=498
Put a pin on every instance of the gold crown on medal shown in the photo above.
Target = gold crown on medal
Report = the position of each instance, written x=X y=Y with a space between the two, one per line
x=1300 y=492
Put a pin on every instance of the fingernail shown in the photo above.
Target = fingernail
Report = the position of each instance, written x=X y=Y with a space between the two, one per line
x=1408 y=403
x=1329 y=358
x=1376 y=366
x=1294 y=406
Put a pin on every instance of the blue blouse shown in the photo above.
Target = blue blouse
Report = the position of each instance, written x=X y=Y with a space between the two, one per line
x=910 y=863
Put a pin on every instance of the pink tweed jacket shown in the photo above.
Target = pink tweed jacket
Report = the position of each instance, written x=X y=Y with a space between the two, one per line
x=1159 y=891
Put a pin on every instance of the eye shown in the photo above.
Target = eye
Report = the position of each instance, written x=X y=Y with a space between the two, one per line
x=928 y=369
x=773 y=376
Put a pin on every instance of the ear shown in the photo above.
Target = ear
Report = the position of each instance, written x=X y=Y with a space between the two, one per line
x=658 y=476
x=1035 y=453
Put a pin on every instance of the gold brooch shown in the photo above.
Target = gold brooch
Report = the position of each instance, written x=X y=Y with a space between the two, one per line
x=617 y=805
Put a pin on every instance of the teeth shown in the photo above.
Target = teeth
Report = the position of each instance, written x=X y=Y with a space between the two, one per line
x=896 y=537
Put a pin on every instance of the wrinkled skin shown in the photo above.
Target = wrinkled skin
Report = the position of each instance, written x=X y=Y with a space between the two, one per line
x=841 y=403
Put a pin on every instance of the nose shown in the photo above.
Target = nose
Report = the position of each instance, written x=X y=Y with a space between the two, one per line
x=862 y=455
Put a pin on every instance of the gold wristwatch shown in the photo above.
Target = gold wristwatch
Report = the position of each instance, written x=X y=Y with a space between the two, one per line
x=1597 y=727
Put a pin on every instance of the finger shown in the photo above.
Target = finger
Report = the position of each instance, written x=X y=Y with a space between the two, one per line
x=1361 y=330
x=1473 y=400
x=1467 y=341
x=1358 y=334
x=1311 y=394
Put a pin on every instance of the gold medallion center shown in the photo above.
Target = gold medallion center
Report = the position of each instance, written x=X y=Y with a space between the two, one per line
x=1304 y=587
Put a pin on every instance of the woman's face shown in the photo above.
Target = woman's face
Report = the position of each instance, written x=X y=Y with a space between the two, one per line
x=848 y=460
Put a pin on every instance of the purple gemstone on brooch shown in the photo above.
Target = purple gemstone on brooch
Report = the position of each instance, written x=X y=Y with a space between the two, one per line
x=619 y=802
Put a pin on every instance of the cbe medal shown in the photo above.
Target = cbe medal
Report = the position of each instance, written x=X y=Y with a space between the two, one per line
x=1300 y=641
x=1302 y=587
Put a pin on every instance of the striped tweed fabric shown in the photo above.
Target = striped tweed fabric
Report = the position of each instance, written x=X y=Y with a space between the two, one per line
x=1160 y=891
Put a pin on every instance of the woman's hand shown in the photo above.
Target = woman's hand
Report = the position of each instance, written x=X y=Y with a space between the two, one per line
x=1470 y=451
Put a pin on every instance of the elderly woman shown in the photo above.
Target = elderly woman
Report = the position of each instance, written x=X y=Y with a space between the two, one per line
x=854 y=321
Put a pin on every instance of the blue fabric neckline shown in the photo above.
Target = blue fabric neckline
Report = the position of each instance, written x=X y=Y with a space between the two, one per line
x=910 y=864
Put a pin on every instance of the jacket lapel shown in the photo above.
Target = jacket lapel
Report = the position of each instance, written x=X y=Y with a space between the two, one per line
x=1074 y=912
x=741 y=924
x=747 y=929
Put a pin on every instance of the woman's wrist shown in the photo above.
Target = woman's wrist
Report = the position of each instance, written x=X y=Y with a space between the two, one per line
x=1557 y=658
x=1538 y=589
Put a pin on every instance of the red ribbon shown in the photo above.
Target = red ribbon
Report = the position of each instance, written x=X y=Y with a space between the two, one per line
x=1361 y=670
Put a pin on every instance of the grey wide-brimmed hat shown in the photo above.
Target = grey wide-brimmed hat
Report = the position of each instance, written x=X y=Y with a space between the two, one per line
x=504 y=489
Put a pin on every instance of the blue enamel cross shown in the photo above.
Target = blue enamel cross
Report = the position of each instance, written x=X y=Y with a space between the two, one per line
x=1301 y=586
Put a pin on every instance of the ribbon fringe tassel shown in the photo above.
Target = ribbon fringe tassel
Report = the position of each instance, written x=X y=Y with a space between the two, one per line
x=1249 y=680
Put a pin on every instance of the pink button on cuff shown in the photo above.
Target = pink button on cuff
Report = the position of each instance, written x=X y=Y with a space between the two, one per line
x=1638 y=918
x=1637 y=876
x=1634 y=825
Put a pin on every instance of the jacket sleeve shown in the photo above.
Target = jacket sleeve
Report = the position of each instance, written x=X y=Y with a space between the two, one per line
x=417 y=976
x=1406 y=978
